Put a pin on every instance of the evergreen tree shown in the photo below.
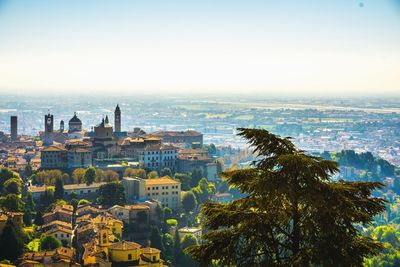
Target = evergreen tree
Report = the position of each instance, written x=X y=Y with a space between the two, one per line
x=59 y=189
x=178 y=254
x=293 y=214
x=90 y=175
x=11 y=245
x=166 y=172
x=49 y=242
x=197 y=174
x=30 y=204
x=189 y=202
x=12 y=202
x=12 y=186
x=155 y=239
x=111 y=194
x=39 y=218
x=27 y=218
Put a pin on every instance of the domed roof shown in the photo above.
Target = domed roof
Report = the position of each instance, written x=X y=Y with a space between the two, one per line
x=75 y=119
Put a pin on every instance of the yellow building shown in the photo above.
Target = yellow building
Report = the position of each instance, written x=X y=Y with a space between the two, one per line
x=166 y=190
x=131 y=254
x=109 y=221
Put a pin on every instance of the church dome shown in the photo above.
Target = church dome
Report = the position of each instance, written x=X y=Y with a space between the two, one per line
x=75 y=119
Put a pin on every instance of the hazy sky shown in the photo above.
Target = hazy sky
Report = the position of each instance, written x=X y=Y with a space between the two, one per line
x=277 y=47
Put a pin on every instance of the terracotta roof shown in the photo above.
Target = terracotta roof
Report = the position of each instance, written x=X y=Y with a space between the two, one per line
x=37 y=189
x=82 y=186
x=161 y=181
x=149 y=250
x=3 y=217
x=124 y=245
x=57 y=222
x=59 y=229
x=54 y=149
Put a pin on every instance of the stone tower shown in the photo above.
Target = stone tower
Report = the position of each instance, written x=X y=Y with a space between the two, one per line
x=48 y=129
x=14 y=128
x=117 y=119
x=61 y=126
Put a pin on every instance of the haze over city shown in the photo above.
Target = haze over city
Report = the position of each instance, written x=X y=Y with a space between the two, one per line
x=284 y=48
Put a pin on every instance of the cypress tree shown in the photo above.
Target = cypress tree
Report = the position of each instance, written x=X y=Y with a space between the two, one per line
x=11 y=246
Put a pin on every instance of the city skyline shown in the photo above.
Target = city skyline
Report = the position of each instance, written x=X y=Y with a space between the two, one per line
x=339 y=48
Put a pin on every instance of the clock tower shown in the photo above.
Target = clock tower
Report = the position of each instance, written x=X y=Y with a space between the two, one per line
x=117 y=119
x=48 y=129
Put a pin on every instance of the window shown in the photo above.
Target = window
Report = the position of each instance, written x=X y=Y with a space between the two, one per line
x=129 y=256
x=154 y=258
x=62 y=235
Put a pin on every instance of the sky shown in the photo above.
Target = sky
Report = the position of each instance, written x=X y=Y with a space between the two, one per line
x=281 y=47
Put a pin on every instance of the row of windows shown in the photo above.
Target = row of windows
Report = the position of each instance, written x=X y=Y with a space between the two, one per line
x=165 y=152
x=83 y=192
x=61 y=235
x=164 y=158
x=162 y=187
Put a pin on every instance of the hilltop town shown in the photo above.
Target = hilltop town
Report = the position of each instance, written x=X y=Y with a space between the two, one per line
x=108 y=197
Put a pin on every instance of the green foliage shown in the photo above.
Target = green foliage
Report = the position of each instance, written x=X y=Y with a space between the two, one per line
x=293 y=214
x=30 y=204
x=38 y=218
x=220 y=165
x=90 y=175
x=111 y=194
x=365 y=161
x=166 y=172
x=12 y=186
x=185 y=180
x=59 y=189
x=142 y=217
x=197 y=174
x=177 y=251
x=168 y=244
x=129 y=172
x=204 y=190
x=188 y=240
x=84 y=202
x=172 y=222
x=34 y=245
x=47 y=198
x=390 y=256
x=108 y=176
x=78 y=176
x=156 y=239
x=48 y=177
x=5 y=174
x=167 y=213
x=11 y=244
x=27 y=218
x=152 y=175
x=49 y=242
x=11 y=202
x=189 y=202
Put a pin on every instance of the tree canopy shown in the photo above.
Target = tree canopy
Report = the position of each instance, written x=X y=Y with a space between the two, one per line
x=111 y=194
x=90 y=175
x=189 y=202
x=292 y=214
x=49 y=242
